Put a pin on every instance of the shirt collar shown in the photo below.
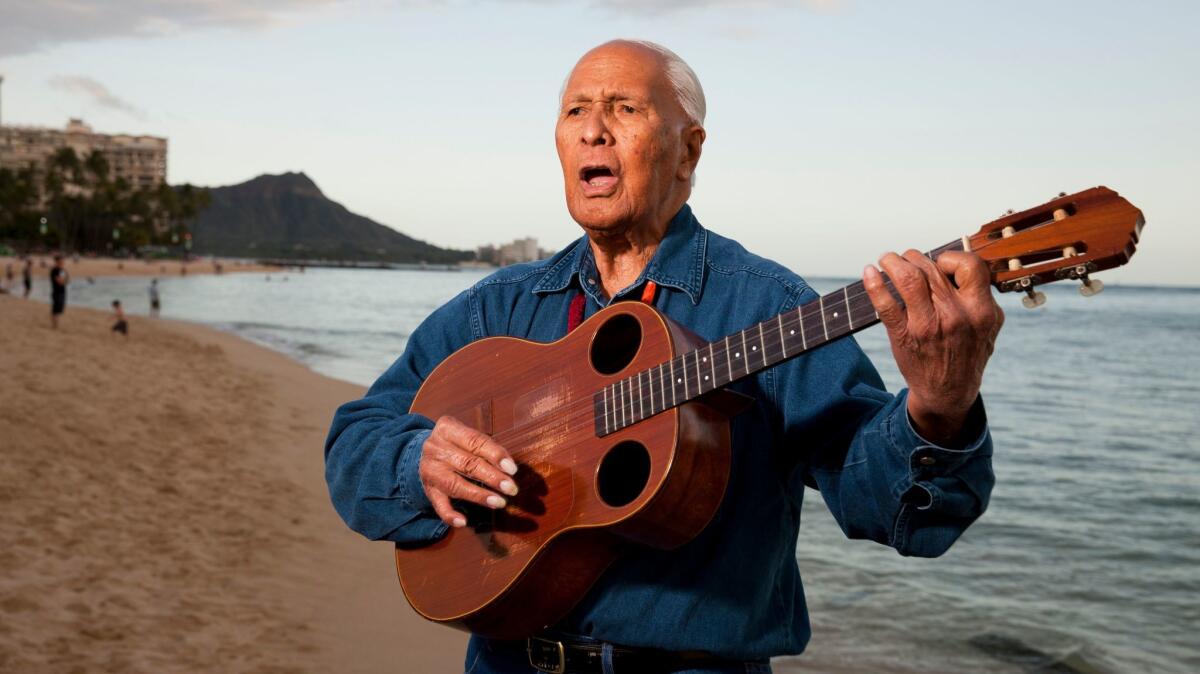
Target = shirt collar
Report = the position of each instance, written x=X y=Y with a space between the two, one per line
x=677 y=263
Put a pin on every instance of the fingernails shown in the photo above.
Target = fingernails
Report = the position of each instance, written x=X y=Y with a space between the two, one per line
x=508 y=466
x=495 y=501
x=460 y=522
x=508 y=487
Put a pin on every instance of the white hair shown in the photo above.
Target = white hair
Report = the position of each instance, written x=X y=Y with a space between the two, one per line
x=683 y=81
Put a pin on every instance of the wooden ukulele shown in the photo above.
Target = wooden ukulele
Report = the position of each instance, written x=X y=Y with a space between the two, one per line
x=621 y=428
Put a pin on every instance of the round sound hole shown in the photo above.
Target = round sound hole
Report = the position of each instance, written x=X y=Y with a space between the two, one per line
x=623 y=474
x=616 y=343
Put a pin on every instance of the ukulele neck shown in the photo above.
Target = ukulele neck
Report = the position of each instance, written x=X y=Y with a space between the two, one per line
x=716 y=364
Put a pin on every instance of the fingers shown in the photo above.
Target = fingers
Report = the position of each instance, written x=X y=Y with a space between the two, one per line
x=910 y=281
x=974 y=281
x=891 y=314
x=969 y=271
x=480 y=444
x=459 y=462
x=445 y=511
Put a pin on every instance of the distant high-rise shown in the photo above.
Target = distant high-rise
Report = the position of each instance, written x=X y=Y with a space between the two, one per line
x=520 y=250
x=140 y=160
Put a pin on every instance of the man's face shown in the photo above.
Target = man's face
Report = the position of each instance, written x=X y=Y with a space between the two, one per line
x=620 y=138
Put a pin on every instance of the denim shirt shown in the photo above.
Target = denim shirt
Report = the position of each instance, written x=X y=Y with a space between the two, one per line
x=822 y=419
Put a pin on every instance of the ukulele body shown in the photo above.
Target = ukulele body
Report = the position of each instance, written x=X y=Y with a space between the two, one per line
x=514 y=571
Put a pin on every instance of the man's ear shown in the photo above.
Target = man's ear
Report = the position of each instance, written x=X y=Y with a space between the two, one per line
x=693 y=142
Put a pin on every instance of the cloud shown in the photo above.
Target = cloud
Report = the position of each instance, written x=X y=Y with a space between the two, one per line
x=99 y=94
x=658 y=7
x=31 y=25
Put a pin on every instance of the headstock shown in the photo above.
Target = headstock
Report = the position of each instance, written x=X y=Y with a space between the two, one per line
x=1070 y=237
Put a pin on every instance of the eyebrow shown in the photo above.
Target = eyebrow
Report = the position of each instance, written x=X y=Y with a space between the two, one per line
x=607 y=98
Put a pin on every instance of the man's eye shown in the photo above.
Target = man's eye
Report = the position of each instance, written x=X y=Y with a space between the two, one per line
x=628 y=109
x=575 y=112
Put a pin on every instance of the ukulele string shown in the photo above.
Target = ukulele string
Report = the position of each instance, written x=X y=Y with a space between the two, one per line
x=584 y=410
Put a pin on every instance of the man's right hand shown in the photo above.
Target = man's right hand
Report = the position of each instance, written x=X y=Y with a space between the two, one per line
x=455 y=452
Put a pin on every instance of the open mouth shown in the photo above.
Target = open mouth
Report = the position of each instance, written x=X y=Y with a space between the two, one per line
x=598 y=178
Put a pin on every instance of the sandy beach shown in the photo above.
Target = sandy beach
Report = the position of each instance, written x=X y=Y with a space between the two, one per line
x=165 y=510
x=97 y=267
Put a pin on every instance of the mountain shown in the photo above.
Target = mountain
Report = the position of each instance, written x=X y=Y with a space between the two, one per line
x=287 y=216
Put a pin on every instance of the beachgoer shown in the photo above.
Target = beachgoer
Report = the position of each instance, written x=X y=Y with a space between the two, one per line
x=121 y=325
x=911 y=471
x=27 y=277
x=58 y=290
x=155 y=303
x=9 y=276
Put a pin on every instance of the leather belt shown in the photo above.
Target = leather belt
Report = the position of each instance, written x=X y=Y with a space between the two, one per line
x=561 y=655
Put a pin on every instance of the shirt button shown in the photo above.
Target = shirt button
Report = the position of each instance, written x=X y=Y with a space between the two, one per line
x=927 y=460
x=591 y=281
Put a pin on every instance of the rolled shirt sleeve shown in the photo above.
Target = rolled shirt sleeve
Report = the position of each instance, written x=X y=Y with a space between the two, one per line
x=855 y=443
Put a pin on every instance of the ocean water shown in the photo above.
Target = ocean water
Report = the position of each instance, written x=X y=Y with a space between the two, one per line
x=1088 y=559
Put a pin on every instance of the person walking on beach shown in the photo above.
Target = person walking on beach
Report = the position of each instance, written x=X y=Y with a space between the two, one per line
x=155 y=303
x=122 y=325
x=9 y=276
x=58 y=290
x=27 y=277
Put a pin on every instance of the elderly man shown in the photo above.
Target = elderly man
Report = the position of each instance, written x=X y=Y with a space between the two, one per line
x=911 y=471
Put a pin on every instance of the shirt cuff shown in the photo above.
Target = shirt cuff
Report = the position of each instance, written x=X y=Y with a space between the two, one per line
x=930 y=458
x=412 y=492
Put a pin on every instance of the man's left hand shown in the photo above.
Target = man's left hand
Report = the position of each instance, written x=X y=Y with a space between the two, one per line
x=941 y=336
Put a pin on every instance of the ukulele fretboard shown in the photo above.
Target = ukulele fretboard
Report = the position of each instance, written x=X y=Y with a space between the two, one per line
x=695 y=373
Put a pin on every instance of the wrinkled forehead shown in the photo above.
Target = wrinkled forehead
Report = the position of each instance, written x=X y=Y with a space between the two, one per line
x=618 y=70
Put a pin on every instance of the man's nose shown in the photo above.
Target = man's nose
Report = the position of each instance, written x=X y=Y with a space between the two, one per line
x=595 y=131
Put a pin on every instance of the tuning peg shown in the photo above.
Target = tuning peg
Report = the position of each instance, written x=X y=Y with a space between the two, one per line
x=1090 y=287
x=1033 y=298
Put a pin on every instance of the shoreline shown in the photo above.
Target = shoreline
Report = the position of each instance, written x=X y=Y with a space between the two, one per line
x=327 y=584
x=208 y=542
x=82 y=267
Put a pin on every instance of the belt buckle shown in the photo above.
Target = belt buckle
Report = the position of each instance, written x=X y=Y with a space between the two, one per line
x=546 y=655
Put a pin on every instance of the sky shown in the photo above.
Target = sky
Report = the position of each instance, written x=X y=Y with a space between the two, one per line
x=837 y=129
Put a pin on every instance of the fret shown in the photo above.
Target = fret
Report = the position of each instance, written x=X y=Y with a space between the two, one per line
x=800 y=320
x=684 y=377
x=650 y=378
x=632 y=406
x=863 y=312
x=744 y=355
x=647 y=395
x=782 y=342
x=712 y=364
x=663 y=386
x=728 y=358
x=641 y=399
x=849 y=314
x=621 y=393
x=612 y=395
x=628 y=400
x=604 y=392
x=629 y=404
x=699 y=379
x=673 y=401
x=763 y=343
x=821 y=308
x=836 y=316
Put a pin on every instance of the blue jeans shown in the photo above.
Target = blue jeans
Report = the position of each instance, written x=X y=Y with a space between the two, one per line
x=486 y=656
